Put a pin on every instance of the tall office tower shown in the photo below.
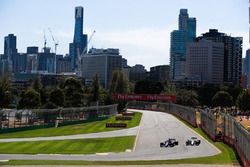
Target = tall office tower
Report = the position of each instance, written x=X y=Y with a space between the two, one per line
x=79 y=44
x=183 y=19
x=179 y=39
x=205 y=60
x=191 y=29
x=247 y=66
x=232 y=54
x=10 y=46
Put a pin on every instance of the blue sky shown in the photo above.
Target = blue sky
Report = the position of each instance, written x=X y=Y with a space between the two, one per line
x=139 y=28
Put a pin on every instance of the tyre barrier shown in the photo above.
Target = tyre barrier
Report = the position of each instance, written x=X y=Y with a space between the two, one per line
x=128 y=114
x=116 y=125
x=123 y=118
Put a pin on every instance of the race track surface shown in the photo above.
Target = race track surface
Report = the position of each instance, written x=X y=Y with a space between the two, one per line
x=155 y=127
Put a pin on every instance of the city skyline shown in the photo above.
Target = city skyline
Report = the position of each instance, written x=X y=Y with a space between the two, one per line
x=139 y=31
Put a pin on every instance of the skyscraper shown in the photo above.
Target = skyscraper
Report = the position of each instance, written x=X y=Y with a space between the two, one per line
x=205 y=60
x=179 y=38
x=10 y=46
x=247 y=66
x=232 y=54
x=183 y=19
x=79 y=44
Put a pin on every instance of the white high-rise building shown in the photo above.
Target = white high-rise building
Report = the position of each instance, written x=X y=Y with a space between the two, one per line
x=205 y=59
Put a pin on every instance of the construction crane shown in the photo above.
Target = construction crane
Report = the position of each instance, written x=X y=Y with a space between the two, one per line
x=55 y=42
x=45 y=40
x=80 y=55
x=86 y=47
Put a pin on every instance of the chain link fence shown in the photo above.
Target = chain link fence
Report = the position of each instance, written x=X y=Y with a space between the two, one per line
x=233 y=133
x=208 y=123
x=12 y=118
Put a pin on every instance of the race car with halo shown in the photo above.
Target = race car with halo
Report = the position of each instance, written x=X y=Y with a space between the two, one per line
x=194 y=141
x=169 y=143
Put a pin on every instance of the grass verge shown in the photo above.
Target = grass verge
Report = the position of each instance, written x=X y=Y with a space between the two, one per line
x=90 y=127
x=76 y=146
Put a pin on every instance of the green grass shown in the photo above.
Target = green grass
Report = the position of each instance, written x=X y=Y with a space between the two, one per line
x=90 y=127
x=76 y=146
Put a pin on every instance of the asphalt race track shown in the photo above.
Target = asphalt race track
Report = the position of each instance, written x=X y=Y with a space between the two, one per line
x=155 y=127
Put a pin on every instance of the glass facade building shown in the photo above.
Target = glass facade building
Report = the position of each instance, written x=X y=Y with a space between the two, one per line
x=179 y=39
x=79 y=44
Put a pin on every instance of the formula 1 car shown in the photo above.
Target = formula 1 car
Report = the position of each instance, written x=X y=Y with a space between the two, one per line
x=193 y=142
x=169 y=143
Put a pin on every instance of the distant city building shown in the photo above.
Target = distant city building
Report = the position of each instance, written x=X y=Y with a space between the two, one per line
x=205 y=60
x=46 y=62
x=19 y=62
x=179 y=38
x=177 y=52
x=124 y=63
x=10 y=46
x=232 y=54
x=4 y=66
x=137 y=73
x=32 y=50
x=79 y=44
x=20 y=81
x=246 y=69
x=102 y=62
x=32 y=63
x=159 y=73
x=63 y=64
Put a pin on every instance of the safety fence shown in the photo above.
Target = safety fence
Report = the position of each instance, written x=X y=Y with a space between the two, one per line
x=12 y=118
x=186 y=113
x=232 y=132
x=208 y=123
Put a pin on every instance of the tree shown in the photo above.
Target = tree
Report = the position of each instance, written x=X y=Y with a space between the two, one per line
x=119 y=84
x=30 y=99
x=122 y=85
x=49 y=105
x=73 y=90
x=5 y=91
x=243 y=101
x=222 y=99
x=95 y=89
x=187 y=98
x=206 y=93
x=169 y=88
x=114 y=79
x=234 y=91
x=60 y=82
x=148 y=87
x=57 y=97
x=37 y=84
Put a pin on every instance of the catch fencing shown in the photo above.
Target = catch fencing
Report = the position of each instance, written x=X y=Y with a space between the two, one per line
x=233 y=133
x=186 y=113
x=12 y=118
x=208 y=123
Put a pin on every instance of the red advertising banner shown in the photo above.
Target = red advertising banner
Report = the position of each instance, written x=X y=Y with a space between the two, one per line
x=145 y=97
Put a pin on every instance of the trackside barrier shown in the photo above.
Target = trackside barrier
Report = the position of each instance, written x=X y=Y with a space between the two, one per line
x=208 y=123
x=238 y=137
x=186 y=113
x=11 y=119
x=233 y=133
